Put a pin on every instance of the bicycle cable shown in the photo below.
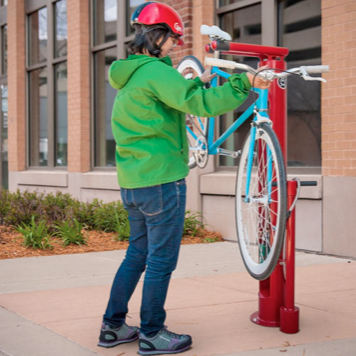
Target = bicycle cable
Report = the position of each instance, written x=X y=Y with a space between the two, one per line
x=255 y=96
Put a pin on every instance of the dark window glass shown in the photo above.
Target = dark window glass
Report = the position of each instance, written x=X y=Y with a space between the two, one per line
x=105 y=19
x=38 y=36
x=244 y=25
x=4 y=2
x=105 y=96
x=4 y=50
x=4 y=139
x=61 y=122
x=38 y=97
x=227 y=2
x=300 y=31
x=131 y=6
x=60 y=45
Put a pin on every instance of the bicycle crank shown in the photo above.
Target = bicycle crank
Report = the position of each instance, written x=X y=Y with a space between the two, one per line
x=200 y=152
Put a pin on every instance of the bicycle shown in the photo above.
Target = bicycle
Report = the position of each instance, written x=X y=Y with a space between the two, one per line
x=261 y=197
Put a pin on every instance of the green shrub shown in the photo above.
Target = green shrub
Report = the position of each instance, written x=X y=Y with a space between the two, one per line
x=192 y=223
x=5 y=204
x=106 y=216
x=83 y=212
x=22 y=207
x=70 y=232
x=122 y=226
x=35 y=235
x=66 y=216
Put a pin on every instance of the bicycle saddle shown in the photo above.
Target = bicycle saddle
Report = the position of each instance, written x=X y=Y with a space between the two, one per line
x=214 y=32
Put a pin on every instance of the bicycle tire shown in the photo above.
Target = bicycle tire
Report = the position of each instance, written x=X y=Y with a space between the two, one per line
x=190 y=67
x=261 y=218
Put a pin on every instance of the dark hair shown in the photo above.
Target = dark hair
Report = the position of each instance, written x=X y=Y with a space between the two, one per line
x=147 y=37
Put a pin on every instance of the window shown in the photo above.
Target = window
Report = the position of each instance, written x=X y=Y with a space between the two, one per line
x=105 y=18
x=38 y=125
x=4 y=2
x=244 y=25
x=105 y=95
x=47 y=86
x=38 y=37
x=299 y=29
x=4 y=50
x=38 y=89
x=4 y=170
x=110 y=33
x=60 y=85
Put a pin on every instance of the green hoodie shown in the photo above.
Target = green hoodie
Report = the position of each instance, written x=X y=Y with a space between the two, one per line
x=148 y=118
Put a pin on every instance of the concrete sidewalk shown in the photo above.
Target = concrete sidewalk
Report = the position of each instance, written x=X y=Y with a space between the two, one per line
x=53 y=305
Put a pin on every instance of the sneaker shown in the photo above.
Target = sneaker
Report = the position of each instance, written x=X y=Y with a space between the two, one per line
x=164 y=342
x=110 y=337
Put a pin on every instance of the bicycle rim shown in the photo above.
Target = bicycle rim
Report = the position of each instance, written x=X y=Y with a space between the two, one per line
x=197 y=127
x=261 y=217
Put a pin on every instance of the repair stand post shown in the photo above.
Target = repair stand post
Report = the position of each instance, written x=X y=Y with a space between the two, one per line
x=289 y=313
x=276 y=296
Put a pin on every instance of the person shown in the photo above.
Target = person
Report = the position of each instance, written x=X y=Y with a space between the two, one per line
x=148 y=123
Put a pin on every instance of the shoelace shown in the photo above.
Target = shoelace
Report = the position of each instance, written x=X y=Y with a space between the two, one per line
x=172 y=334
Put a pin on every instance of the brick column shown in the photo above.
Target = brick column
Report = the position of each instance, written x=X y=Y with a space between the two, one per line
x=16 y=85
x=203 y=14
x=339 y=127
x=194 y=13
x=339 y=93
x=78 y=86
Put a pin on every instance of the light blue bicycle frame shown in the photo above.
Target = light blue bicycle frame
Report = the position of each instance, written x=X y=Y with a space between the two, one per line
x=213 y=146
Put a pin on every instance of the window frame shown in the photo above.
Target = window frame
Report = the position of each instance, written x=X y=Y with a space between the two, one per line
x=51 y=62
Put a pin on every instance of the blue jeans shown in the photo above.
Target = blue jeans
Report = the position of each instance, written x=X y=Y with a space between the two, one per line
x=156 y=216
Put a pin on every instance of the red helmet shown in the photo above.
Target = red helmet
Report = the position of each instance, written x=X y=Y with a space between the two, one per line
x=152 y=13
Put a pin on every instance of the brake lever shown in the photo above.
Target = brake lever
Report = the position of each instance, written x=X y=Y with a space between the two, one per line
x=306 y=76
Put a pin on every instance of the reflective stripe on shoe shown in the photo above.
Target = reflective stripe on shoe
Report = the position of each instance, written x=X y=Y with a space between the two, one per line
x=165 y=342
x=110 y=337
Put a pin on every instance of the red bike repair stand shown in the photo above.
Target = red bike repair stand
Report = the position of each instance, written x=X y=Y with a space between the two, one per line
x=276 y=295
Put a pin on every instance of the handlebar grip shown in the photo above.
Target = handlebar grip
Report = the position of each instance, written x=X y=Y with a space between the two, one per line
x=317 y=69
x=222 y=63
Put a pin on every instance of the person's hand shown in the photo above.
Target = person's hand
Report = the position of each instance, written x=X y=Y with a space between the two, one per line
x=258 y=82
x=207 y=76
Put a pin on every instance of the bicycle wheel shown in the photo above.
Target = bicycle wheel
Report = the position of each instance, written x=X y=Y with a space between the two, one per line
x=261 y=214
x=197 y=127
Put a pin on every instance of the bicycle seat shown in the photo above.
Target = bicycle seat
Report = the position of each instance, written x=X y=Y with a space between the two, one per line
x=215 y=32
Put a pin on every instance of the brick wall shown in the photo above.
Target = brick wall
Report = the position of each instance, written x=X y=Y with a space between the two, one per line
x=78 y=86
x=339 y=93
x=194 y=13
x=16 y=85
x=184 y=8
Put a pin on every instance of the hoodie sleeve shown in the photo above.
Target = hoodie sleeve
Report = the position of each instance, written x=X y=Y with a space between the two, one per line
x=189 y=96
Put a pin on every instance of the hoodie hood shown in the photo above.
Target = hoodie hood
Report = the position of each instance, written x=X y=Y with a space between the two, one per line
x=122 y=70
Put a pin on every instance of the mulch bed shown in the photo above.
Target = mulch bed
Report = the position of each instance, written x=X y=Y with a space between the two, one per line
x=11 y=243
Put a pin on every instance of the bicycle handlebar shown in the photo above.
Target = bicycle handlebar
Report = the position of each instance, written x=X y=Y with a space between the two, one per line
x=223 y=63
x=269 y=74
x=316 y=69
